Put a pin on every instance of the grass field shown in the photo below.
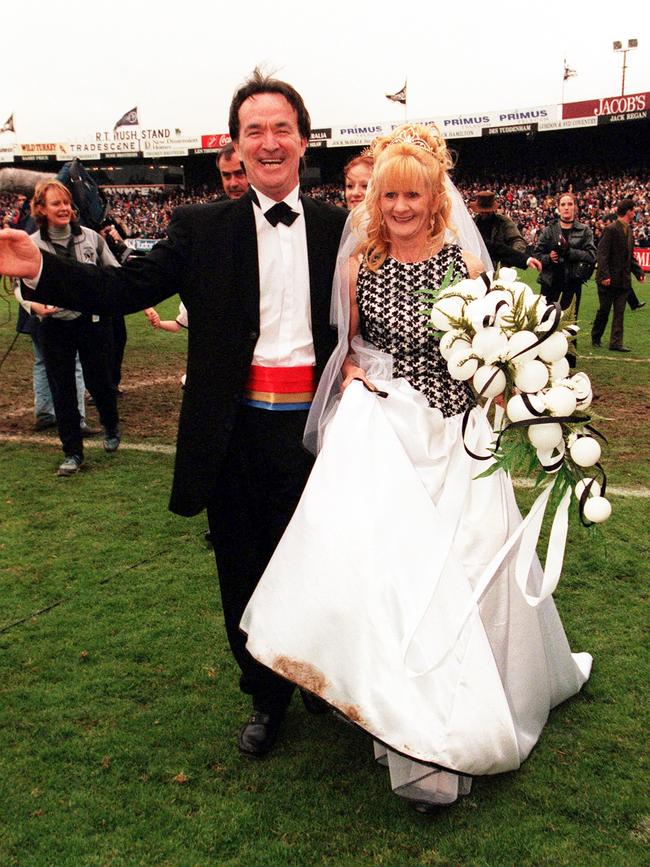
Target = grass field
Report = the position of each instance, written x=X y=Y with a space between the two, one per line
x=118 y=696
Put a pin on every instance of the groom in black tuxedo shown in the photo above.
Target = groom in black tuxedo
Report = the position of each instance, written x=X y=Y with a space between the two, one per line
x=255 y=277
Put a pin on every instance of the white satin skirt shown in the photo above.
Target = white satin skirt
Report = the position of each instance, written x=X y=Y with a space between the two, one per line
x=380 y=598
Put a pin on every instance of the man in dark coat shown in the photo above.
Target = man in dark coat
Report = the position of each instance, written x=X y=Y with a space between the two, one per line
x=615 y=266
x=255 y=275
x=503 y=239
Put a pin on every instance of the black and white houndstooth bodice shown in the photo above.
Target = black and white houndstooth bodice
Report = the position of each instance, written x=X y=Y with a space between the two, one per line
x=392 y=318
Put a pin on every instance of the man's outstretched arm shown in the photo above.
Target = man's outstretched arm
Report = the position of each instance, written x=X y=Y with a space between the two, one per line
x=55 y=280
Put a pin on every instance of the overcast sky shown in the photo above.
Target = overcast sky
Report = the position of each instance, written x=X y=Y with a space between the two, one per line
x=73 y=68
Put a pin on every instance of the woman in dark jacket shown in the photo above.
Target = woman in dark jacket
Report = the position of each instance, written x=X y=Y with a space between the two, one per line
x=64 y=333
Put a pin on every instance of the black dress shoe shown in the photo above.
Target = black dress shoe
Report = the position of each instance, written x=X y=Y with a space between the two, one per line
x=313 y=704
x=639 y=305
x=258 y=733
x=595 y=342
x=619 y=349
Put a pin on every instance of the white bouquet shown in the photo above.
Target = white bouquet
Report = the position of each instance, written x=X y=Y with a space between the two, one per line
x=510 y=344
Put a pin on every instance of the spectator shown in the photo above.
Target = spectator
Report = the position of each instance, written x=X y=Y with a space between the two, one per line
x=233 y=173
x=65 y=333
x=357 y=172
x=567 y=251
x=616 y=264
x=503 y=239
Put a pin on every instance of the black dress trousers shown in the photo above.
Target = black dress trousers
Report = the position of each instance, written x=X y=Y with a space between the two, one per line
x=264 y=474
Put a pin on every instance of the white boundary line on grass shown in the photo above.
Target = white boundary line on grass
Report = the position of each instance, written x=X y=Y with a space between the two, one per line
x=89 y=443
x=134 y=385
x=162 y=449
x=616 y=358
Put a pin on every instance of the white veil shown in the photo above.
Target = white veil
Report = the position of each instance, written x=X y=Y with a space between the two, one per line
x=376 y=363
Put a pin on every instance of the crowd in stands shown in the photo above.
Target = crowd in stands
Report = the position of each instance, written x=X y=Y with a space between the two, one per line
x=529 y=201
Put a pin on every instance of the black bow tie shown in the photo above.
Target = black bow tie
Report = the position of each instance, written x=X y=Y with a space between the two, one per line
x=279 y=213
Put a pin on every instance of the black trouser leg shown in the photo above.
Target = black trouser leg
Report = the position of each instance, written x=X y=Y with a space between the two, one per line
x=94 y=347
x=59 y=345
x=605 y=299
x=618 y=315
x=263 y=478
x=117 y=338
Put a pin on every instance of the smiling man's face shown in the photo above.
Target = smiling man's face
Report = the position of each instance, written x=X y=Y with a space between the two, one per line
x=270 y=145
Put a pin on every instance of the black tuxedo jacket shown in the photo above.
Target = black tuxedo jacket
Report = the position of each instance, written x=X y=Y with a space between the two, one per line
x=210 y=259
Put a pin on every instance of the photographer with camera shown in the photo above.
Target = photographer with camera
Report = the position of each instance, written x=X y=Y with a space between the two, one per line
x=567 y=251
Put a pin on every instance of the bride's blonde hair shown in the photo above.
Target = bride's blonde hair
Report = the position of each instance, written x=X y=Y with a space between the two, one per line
x=412 y=157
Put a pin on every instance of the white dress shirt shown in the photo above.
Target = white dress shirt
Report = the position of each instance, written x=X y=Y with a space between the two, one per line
x=285 y=315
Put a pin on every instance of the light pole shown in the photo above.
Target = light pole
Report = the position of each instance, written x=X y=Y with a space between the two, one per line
x=618 y=46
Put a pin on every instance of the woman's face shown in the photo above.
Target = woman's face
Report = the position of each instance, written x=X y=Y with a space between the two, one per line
x=356 y=184
x=407 y=213
x=57 y=208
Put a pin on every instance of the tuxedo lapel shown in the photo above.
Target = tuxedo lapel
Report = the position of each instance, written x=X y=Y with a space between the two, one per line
x=320 y=285
x=245 y=257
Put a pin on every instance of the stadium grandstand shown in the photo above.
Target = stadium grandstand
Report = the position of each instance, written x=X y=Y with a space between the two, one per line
x=597 y=149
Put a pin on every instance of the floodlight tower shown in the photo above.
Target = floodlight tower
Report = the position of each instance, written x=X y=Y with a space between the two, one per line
x=618 y=46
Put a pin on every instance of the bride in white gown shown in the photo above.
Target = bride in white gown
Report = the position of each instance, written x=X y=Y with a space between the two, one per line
x=393 y=594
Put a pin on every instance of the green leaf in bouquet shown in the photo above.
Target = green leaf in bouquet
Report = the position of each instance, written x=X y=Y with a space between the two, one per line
x=568 y=316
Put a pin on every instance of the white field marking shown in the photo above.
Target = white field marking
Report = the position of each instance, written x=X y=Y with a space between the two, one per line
x=162 y=449
x=616 y=358
x=134 y=385
x=89 y=443
x=641 y=493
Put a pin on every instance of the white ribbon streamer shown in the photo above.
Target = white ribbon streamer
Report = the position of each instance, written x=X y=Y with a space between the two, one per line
x=528 y=531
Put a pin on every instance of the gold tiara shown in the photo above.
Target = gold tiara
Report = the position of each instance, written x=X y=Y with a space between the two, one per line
x=412 y=138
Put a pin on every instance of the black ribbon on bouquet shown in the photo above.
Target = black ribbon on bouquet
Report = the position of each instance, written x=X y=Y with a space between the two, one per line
x=584 y=496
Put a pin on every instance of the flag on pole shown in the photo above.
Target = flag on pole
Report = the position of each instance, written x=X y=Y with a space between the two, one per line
x=400 y=96
x=128 y=119
x=9 y=125
x=568 y=73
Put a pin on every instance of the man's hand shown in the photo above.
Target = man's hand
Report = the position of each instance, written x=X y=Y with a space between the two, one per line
x=531 y=262
x=19 y=255
x=606 y=282
x=554 y=256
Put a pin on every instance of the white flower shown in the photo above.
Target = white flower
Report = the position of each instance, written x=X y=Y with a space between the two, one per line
x=597 y=509
x=489 y=343
x=517 y=410
x=492 y=375
x=594 y=487
x=531 y=376
x=451 y=340
x=559 y=370
x=585 y=451
x=446 y=308
x=519 y=343
x=545 y=437
x=471 y=289
x=507 y=276
x=553 y=348
x=560 y=401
